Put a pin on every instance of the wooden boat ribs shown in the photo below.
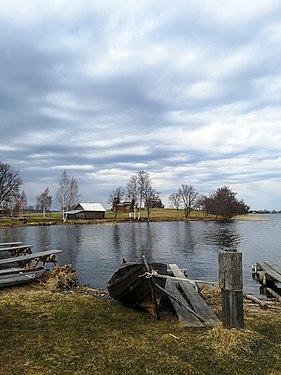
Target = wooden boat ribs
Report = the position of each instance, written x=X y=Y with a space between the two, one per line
x=131 y=286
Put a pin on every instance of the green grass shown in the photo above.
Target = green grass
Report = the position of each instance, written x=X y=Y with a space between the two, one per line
x=33 y=219
x=163 y=214
x=50 y=333
x=156 y=214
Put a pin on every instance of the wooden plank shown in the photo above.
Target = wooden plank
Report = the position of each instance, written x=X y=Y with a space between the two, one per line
x=184 y=314
x=272 y=273
x=13 y=248
x=10 y=270
x=29 y=256
x=232 y=309
x=230 y=270
x=196 y=301
x=274 y=294
x=256 y=300
x=231 y=284
x=10 y=243
x=275 y=267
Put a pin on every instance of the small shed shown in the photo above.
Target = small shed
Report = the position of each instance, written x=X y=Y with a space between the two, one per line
x=87 y=211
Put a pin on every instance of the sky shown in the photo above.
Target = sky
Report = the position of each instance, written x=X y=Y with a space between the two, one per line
x=187 y=90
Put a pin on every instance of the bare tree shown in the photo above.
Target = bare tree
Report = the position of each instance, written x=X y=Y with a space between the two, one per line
x=67 y=194
x=132 y=189
x=115 y=198
x=10 y=202
x=188 y=197
x=21 y=203
x=44 y=202
x=175 y=200
x=10 y=182
x=150 y=197
x=140 y=188
x=144 y=187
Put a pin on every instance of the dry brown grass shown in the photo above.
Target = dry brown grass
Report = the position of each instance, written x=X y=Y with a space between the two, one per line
x=46 y=332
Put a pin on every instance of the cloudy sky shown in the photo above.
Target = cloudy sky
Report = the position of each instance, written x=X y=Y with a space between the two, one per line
x=187 y=90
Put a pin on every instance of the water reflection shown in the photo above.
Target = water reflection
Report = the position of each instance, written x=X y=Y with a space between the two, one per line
x=43 y=237
x=116 y=241
x=223 y=235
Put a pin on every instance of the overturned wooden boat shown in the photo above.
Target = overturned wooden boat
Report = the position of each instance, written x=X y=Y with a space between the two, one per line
x=16 y=276
x=135 y=285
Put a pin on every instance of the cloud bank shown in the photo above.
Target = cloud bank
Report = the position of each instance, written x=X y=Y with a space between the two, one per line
x=188 y=91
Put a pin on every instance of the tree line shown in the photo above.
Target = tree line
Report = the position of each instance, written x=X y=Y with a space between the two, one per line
x=13 y=201
x=222 y=203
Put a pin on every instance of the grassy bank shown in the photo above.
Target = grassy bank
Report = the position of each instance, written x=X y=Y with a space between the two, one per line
x=46 y=332
x=164 y=214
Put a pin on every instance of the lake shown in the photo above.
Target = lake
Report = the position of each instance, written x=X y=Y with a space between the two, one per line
x=95 y=251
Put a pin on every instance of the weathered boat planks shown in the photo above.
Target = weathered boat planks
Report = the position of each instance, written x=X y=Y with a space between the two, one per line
x=190 y=307
x=133 y=284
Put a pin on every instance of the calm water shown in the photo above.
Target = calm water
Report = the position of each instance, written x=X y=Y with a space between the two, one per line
x=95 y=251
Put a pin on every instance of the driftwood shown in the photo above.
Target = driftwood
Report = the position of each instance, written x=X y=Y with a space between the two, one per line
x=256 y=300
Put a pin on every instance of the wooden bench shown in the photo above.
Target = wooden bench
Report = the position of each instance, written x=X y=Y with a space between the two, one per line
x=5 y=244
x=18 y=250
x=42 y=256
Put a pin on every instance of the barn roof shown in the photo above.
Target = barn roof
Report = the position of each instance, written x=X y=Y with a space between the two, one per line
x=73 y=212
x=92 y=207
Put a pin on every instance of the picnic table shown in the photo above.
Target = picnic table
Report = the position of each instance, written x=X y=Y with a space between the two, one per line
x=17 y=249
x=42 y=256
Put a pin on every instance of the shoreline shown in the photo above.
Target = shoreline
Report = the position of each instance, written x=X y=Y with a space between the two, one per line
x=110 y=221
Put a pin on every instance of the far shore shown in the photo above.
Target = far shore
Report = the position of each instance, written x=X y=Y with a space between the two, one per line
x=156 y=215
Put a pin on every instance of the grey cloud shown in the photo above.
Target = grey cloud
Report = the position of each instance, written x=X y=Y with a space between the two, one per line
x=57 y=108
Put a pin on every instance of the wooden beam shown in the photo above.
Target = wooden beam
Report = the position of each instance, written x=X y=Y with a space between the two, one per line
x=231 y=284
x=272 y=271
x=179 y=304
x=256 y=300
x=194 y=298
x=274 y=294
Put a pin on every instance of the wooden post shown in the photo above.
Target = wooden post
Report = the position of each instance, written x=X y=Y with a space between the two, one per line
x=231 y=284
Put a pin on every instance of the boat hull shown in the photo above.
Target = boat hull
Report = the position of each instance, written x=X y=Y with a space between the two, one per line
x=131 y=286
x=11 y=277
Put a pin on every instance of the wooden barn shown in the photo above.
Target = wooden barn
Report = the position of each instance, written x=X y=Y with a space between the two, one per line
x=87 y=211
x=127 y=206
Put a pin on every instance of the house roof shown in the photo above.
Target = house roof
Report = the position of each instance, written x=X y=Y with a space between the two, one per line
x=92 y=207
